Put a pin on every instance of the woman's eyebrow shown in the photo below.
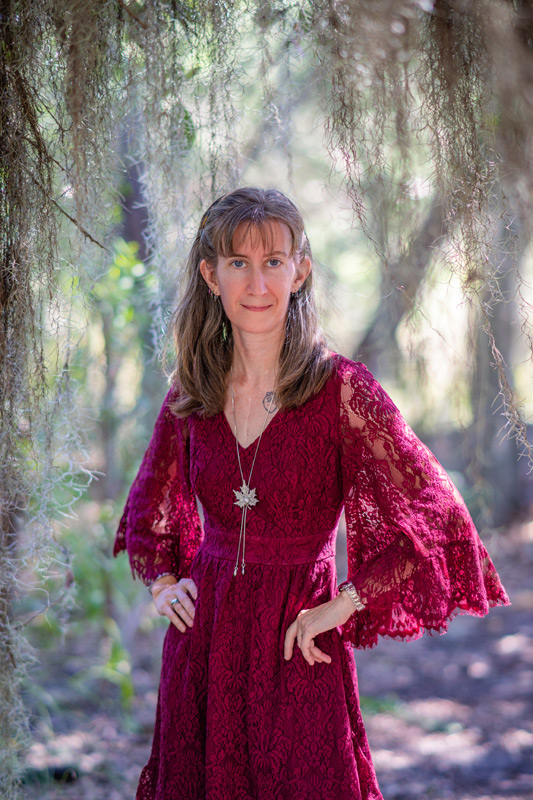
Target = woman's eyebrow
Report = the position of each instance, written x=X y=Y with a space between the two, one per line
x=273 y=253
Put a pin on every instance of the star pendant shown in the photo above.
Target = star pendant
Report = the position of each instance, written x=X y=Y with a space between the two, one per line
x=246 y=497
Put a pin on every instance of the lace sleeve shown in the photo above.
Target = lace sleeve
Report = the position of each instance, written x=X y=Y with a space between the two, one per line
x=414 y=555
x=160 y=527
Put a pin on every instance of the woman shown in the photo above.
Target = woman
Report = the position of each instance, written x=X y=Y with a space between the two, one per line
x=275 y=434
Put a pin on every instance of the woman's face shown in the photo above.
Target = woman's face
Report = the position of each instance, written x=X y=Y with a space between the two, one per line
x=255 y=284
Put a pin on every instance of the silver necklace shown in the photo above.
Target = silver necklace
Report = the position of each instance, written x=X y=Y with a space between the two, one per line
x=246 y=496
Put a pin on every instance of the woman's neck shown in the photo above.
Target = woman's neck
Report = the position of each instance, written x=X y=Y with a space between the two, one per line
x=255 y=359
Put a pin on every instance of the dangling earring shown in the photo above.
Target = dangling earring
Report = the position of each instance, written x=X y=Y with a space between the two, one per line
x=214 y=295
x=297 y=293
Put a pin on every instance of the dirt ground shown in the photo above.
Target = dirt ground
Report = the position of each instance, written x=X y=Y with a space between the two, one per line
x=447 y=716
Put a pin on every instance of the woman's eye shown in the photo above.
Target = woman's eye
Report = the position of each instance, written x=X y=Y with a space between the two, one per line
x=276 y=260
x=238 y=263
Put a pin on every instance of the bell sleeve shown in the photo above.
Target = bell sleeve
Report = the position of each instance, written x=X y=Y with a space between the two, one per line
x=414 y=555
x=160 y=526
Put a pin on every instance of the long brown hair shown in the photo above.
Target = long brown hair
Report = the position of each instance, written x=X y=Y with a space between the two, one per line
x=201 y=330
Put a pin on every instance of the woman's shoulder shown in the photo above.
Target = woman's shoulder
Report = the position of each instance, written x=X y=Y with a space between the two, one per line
x=356 y=385
x=171 y=412
x=345 y=370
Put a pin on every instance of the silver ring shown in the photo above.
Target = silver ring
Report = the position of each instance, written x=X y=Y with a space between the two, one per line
x=173 y=602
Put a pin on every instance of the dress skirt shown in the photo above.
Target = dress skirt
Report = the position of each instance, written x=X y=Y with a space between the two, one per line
x=235 y=720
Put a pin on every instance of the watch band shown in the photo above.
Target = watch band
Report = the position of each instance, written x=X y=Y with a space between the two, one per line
x=350 y=589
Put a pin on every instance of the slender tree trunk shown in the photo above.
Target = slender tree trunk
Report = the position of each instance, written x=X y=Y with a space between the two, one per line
x=131 y=228
x=400 y=283
x=16 y=334
x=494 y=464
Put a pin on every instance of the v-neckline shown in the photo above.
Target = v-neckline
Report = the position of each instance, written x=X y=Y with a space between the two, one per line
x=232 y=433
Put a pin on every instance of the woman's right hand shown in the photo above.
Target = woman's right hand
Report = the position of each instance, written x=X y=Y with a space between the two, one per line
x=181 y=614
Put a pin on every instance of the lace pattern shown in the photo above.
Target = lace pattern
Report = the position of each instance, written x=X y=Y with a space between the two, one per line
x=160 y=527
x=414 y=555
x=234 y=718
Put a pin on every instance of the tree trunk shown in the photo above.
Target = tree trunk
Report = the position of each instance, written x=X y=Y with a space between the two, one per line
x=494 y=465
x=399 y=284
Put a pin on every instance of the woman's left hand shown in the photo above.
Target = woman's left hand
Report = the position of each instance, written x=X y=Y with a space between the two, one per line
x=312 y=621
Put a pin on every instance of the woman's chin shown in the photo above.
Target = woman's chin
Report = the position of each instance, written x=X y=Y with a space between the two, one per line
x=259 y=327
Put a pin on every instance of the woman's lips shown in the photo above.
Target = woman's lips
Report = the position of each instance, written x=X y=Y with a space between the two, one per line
x=255 y=308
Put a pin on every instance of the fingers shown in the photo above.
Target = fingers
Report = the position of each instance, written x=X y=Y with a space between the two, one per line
x=310 y=651
x=318 y=655
x=288 y=646
x=180 y=613
x=185 y=607
x=176 y=618
x=189 y=585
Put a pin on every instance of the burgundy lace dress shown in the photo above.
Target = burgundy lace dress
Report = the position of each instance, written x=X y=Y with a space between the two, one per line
x=235 y=721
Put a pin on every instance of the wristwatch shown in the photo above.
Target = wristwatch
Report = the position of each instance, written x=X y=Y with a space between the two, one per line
x=350 y=589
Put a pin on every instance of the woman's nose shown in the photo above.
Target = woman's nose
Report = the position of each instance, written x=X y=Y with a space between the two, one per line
x=257 y=282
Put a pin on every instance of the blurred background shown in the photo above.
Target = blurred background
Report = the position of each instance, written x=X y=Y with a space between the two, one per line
x=396 y=132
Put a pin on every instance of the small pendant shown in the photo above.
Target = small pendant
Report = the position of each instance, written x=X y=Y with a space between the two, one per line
x=246 y=497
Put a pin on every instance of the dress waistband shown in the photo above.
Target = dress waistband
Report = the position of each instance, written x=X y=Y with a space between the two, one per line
x=270 y=550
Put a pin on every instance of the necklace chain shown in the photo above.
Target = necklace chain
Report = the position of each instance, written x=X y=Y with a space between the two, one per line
x=246 y=496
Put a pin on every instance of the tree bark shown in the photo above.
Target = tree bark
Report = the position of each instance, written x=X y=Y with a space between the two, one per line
x=494 y=465
x=400 y=283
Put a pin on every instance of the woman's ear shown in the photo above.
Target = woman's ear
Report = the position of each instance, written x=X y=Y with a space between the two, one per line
x=302 y=271
x=209 y=275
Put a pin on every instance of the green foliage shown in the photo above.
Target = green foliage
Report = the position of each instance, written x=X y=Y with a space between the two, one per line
x=116 y=668
x=202 y=89
x=125 y=291
x=390 y=704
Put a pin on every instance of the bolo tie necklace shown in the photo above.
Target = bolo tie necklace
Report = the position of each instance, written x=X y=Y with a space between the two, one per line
x=246 y=496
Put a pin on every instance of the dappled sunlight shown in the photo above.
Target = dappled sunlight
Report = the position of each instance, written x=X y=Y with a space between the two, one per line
x=404 y=130
x=459 y=706
x=79 y=747
x=446 y=716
